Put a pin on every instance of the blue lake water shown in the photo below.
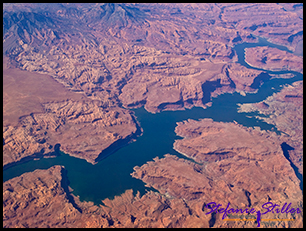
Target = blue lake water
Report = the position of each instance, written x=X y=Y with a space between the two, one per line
x=111 y=176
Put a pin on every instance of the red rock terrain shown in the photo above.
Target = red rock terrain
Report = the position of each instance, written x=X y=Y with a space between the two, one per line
x=285 y=110
x=273 y=59
x=279 y=23
x=139 y=53
x=69 y=69
x=243 y=183
x=108 y=69
x=243 y=166
x=211 y=141
x=42 y=199
x=182 y=87
x=40 y=113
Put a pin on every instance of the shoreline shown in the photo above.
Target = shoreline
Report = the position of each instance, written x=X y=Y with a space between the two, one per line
x=35 y=156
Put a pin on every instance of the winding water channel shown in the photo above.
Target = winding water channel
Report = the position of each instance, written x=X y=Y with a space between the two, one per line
x=111 y=176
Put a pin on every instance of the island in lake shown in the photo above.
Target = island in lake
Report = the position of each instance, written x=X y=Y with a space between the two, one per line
x=221 y=87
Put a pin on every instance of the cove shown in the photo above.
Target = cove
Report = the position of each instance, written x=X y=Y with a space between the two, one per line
x=111 y=176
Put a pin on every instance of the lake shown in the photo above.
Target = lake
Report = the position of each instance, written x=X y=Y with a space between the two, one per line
x=111 y=176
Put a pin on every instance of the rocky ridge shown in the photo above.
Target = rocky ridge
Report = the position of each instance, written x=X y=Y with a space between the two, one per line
x=209 y=141
x=273 y=59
